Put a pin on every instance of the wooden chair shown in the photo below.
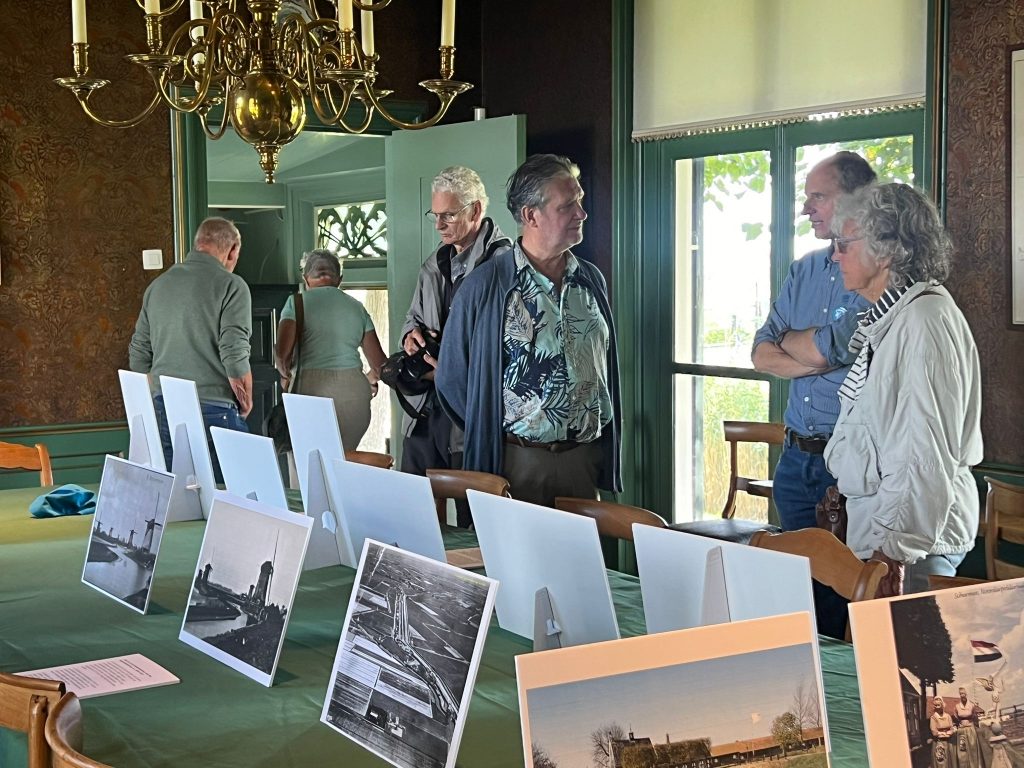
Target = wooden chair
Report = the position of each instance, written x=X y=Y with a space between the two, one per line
x=728 y=528
x=371 y=458
x=25 y=703
x=64 y=735
x=1004 y=523
x=737 y=432
x=15 y=456
x=453 y=484
x=832 y=562
x=614 y=520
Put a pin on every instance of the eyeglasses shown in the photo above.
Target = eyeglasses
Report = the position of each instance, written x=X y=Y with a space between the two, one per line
x=843 y=242
x=447 y=218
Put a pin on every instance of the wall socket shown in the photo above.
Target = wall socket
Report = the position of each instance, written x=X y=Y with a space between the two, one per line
x=152 y=258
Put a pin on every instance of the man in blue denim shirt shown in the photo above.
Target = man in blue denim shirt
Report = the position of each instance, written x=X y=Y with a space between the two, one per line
x=806 y=339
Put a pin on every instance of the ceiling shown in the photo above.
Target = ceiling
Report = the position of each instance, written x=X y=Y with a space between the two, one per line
x=231 y=159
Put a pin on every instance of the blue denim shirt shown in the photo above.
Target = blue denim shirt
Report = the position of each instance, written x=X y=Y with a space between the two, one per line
x=814 y=296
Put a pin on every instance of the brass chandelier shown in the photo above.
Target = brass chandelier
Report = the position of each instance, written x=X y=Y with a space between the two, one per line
x=263 y=67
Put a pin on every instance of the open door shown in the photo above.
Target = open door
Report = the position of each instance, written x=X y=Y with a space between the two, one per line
x=493 y=148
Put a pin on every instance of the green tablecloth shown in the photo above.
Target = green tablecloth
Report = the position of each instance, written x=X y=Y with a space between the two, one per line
x=217 y=717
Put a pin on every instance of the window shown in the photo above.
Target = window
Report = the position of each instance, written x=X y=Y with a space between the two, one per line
x=354 y=231
x=722 y=217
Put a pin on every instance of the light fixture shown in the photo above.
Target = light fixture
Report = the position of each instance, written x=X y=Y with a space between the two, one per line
x=263 y=66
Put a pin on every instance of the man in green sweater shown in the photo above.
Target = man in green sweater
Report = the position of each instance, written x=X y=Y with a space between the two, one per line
x=195 y=324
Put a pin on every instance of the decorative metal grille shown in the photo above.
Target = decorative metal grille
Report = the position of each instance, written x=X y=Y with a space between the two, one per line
x=354 y=231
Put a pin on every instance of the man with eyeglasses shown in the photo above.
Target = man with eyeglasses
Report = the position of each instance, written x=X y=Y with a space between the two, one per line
x=529 y=363
x=458 y=205
x=806 y=339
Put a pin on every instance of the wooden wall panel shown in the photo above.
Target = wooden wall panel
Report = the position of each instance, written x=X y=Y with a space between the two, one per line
x=977 y=212
x=78 y=203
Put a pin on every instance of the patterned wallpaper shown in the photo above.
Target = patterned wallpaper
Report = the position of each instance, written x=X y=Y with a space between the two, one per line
x=977 y=209
x=78 y=203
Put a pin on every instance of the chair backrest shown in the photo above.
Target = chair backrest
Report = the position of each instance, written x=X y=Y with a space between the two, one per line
x=1004 y=522
x=615 y=520
x=16 y=456
x=832 y=562
x=64 y=735
x=453 y=483
x=24 y=705
x=371 y=458
x=737 y=432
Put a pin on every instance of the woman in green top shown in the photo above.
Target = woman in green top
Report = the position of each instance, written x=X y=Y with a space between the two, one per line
x=334 y=328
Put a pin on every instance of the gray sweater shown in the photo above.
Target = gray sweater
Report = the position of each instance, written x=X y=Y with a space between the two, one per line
x=195 y=323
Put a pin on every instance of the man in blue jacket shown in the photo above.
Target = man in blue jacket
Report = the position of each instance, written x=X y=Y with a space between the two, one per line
x=528 y=365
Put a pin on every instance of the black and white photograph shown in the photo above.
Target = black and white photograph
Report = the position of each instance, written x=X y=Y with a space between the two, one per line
x=743 y=693
x=408 y=656
x=131 y=512
x=244 y=584
x=953 y=674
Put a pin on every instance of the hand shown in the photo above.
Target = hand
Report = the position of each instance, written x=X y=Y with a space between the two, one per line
x=892 y=583
x=414 y=341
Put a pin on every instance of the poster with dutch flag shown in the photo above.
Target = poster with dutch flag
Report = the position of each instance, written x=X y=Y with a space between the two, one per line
x=938 y=680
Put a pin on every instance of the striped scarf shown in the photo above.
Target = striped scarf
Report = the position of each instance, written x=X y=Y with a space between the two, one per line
x=854 y=381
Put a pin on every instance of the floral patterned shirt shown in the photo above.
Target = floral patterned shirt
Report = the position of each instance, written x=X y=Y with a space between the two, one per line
x=555 y=351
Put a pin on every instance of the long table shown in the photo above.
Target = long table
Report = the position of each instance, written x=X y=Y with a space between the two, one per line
x=217 y=717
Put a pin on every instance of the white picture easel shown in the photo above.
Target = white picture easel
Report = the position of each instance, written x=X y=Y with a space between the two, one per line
x=144 y=445
x=194 y=485
x=249 y=465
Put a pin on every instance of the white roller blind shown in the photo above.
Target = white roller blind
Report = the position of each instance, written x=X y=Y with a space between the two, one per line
x=701 y=64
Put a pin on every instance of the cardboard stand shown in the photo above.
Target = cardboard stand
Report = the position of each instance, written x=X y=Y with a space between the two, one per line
x=249 y=465
x=185 y=501
x=547 y=632
x=329 y=542
x=144 y=443
x=138 y=444
x=191 y=453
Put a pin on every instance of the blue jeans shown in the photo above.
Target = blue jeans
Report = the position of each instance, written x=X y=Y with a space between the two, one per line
x=915 y=578
x=799 y=484
x=215 y=414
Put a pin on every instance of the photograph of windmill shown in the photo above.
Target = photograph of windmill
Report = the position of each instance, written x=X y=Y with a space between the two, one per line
x=244 y=585
x=958 y=653
x=131 y=510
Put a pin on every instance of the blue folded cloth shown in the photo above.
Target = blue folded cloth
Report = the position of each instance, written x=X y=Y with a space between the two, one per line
x=65 y=500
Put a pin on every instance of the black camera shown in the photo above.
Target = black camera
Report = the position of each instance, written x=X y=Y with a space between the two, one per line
x=405 y=373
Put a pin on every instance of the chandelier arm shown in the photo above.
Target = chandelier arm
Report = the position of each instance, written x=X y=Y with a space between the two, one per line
x=204 y=122
x=366 y=121
x=131 y=122
x=442 y=109
x=164 y=85
x=335 y=114
x=236 y=65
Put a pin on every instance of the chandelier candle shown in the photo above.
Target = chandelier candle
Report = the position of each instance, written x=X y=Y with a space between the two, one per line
x=78 y=28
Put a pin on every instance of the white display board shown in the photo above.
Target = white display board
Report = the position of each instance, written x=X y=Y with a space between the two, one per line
x=528 y=548
x=191 y=464
x=244 y=585
x=249 y=465
x=688 y=581
x=409 y=652
x=144 y=445
x=1017 y=184
x=391 y=507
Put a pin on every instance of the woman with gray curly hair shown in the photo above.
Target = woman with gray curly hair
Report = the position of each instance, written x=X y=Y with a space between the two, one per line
x=334 y=328
x=909 y=429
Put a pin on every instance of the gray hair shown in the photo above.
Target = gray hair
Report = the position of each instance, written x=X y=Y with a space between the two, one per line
x=321 y=262
x=852 y=171
x=218 y=232
x=899 y=226
x=526 y=187
x=462 y=182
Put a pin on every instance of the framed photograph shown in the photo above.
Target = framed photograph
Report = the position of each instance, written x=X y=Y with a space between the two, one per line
x=940 y=676
x=244 y=584
x=131 y=512
x=748 y=692
x=408 y=656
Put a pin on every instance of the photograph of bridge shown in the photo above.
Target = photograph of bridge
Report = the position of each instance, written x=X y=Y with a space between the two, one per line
x=131 y=510
x=244 y=585
x=408 y=656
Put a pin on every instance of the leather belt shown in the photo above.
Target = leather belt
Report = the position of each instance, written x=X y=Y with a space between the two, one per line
x=815 y=445
x=559 y=446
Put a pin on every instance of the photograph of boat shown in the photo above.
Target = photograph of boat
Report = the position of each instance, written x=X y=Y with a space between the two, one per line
x=131 y=510
x=408 y=656
x=244 y=584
